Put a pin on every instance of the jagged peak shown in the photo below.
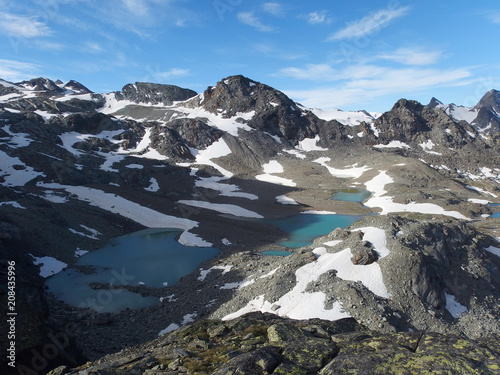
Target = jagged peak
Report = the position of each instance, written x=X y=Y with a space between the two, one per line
x=490 y=99
x=411 y=105
x=75 y=86
x=435 y=103
x=41 y=84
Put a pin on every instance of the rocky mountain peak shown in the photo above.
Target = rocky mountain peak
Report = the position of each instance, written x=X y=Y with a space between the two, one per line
x=239 y=94
x=405 y=119
x=154 y=93
x=488 y=116
x=491 y=99
x=41 y=84
x=434 y=103
x=76 y=87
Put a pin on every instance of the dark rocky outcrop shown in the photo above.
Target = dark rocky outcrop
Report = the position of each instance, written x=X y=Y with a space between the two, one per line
x=76 y=87
x=195 y=133
x=44 y=85
x=264 y=344
x=154 y=93
x=275 y=113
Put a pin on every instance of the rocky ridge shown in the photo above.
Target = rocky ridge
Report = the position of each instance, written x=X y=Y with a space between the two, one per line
x=265 y=344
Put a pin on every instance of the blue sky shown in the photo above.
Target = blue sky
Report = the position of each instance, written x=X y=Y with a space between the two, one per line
x=327 y=54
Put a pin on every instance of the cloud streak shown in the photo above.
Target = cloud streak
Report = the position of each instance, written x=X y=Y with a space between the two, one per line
x=16 y=71
x=22 y=26
x=274 y=9
x=369 y=24
x=318 y=18
x=412 y=56
x=362 y=84
x=248 y=18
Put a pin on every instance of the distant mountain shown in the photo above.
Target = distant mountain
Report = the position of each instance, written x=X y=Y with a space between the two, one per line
x=488 y=112
x=485 y=115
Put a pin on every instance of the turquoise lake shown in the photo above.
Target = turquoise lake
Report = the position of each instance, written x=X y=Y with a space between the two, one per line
x=303 y=229
x=351 y=195
x=155 y=258
x=152 y=257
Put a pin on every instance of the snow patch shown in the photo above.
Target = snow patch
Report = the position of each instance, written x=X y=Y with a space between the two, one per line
x=494 y=250
x=377 y=187
x=274 y=167
x=204 y=273
x=172 y=327
x=453 y=306
x=230 y=209
x=227 y=190
x=15 y=172
x=215 y=150
x=348 y=172
x=310 y=144
x=283 y=199
x=134 y=211
x=48 y=265
x=393 y=144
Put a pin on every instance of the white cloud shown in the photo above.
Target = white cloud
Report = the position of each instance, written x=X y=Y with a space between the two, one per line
x=313 y=72
x=413 y=56
x=137 y=7
x=16 y=71
x=49 y=46
x=93 y=47
x=319 y=17
x=369 y=24
x=495 y=17
x=248 y=18
x=274 y=9
x=169 y=74
x=22 y=26
x=362 y=84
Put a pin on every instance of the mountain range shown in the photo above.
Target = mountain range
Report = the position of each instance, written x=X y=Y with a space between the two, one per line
x=78 y=169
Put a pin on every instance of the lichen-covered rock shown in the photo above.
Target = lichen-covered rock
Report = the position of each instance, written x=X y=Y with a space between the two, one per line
x=263 y=344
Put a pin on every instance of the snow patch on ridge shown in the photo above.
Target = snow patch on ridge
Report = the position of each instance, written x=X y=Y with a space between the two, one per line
x=352 y=172
x=377 y=187
x=134 y=211
x=269 y=170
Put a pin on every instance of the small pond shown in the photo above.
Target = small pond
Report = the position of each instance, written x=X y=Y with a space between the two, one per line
x=152 y=257
x=351 y=195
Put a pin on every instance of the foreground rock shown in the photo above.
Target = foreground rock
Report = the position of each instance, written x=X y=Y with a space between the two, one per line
x=265 y=344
